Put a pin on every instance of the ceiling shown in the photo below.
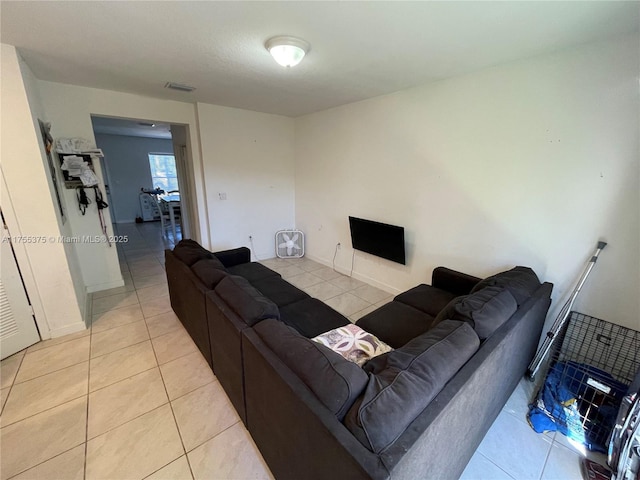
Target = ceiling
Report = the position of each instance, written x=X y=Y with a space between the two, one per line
x=358 y=49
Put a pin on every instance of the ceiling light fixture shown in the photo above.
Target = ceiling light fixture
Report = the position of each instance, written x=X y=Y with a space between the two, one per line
x=287 y=51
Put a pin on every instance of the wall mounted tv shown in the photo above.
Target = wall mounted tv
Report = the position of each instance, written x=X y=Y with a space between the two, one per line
x=380 y=239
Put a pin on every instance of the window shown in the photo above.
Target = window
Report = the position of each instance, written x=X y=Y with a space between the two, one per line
x=163 y=171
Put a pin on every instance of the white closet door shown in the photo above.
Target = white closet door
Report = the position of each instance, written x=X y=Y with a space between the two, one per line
x=17 y=325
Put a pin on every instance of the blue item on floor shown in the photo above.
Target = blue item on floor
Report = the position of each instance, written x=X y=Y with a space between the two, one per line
x=558 y=404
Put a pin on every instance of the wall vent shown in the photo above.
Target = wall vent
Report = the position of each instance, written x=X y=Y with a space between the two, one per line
x=179 y=86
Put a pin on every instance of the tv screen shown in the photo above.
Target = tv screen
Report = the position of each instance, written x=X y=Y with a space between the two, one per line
x=380 y=239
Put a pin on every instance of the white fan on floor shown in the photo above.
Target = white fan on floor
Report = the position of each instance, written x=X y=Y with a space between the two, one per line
x=289 y=244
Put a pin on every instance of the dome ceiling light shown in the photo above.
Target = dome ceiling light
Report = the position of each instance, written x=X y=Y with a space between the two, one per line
x=287 y=51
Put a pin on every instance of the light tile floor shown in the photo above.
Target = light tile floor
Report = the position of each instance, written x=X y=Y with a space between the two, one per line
x=133 y=398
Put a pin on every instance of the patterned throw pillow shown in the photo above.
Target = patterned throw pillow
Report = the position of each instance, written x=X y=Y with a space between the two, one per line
x=353 y=343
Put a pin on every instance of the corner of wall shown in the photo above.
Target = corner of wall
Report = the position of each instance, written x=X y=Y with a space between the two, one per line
x=45 y=268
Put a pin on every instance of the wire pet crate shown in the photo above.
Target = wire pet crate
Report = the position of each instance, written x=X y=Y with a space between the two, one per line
x=593 y=362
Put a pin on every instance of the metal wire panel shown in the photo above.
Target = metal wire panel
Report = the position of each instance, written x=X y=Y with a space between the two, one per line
x=593 y=363
x=606 y=346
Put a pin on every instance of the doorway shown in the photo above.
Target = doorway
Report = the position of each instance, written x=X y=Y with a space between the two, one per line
x=146 y=175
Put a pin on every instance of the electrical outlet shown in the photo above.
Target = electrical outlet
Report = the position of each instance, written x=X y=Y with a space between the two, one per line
x=250 y=238
x=339 y=245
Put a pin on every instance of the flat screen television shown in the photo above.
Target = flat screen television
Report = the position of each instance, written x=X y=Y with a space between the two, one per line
x=380 y=239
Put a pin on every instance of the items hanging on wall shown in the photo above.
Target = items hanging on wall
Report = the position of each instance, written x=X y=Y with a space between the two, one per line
x=77 y=170
x=76 y=161
x=47 y=139
x=101 y=206
x=83 y=200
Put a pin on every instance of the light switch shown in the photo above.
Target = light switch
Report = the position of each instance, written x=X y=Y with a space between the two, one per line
x=223 y=195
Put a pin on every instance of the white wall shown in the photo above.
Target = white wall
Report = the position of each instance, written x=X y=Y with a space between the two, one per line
x=127 y=162
x=249 y=157
x=69 y=109
x=528 y=163
x=48 y=269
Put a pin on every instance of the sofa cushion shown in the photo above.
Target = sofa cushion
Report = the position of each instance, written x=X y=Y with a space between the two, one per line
x=449 y=312
x=210 y=271
x=426 y=298
x=522 y=282
x=252 y=271
x=311 y=317
x=335 y=381
x=485 y=310
x=396 y=323
x=233 y=256
x=453 y=281
x=279 y=291
x=403 y=382
x=247 y=302
x=189 y=252
x=353 y=343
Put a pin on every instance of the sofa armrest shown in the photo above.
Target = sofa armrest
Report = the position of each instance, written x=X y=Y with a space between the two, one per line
x=235 y=256
x=452 y=281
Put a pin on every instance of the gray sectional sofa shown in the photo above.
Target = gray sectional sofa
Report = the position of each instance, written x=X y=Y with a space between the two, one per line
x=460 y=346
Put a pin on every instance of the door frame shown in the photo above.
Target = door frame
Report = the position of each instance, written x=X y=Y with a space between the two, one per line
x=15 y=293
x=22 y=259
x=108 y=186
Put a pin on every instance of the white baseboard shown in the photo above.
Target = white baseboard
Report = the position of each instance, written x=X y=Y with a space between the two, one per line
x=66 y=330
x=104 y=286
x=357 y=276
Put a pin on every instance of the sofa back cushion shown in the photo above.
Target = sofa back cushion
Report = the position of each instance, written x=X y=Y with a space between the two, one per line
x=426 y=298
x=279 y=291
x=485 y=310
x=247 y=302
x=210 y=271
x=189 y=252
x=335 y=381
x=522 y=283
x=403 y=382
x=253 y=271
